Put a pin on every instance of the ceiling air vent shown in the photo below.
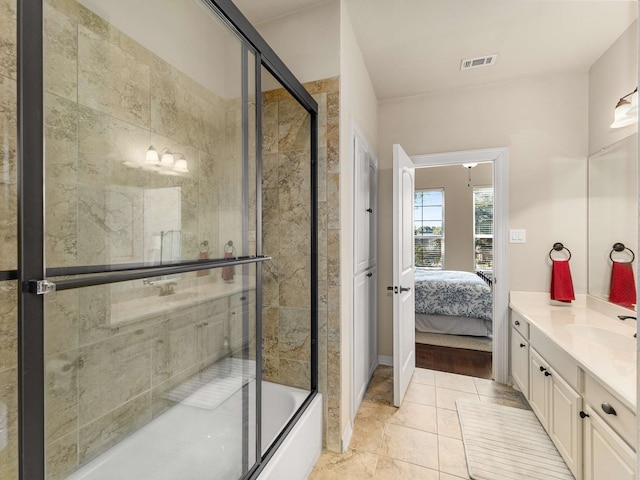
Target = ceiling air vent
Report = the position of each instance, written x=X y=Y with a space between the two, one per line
x=478 y=62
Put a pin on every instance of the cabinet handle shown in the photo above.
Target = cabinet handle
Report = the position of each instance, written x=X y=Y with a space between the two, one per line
x=369 y=274
x=522 y=345
x=542 y=369
x=370 y=210
x=583 y=415
x=608 y=409
x=547 y=374
x=516 y=323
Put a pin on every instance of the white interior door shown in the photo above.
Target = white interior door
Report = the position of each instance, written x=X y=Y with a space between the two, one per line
x=404 y=334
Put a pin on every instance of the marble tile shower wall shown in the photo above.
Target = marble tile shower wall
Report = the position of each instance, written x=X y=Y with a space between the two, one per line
x=106 y=100
x=8 y=240
x=287 y=278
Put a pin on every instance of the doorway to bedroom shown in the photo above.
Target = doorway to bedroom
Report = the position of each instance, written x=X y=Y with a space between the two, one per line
x=460 y=229
x=453 y=250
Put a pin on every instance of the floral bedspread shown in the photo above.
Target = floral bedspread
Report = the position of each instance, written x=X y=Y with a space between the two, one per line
x=443 y=292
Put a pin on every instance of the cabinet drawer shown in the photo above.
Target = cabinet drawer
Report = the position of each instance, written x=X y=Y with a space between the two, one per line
x=623 y=422
x=520 y=324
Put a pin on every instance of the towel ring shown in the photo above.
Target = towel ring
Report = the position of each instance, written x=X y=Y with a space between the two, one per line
x=619 y=247
x=229 y=248
x=558 y=247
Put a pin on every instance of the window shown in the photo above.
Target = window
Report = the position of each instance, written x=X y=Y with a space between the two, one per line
x=428 y=224
x=483 y=228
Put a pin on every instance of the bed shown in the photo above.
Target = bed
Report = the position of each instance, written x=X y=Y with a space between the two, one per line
x=453 y=302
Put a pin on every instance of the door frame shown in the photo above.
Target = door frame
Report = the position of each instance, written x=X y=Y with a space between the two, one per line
x=500 y=158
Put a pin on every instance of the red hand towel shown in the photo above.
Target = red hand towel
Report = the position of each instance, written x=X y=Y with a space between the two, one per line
x=561 y=283
x=227 y=272
x=623 y=285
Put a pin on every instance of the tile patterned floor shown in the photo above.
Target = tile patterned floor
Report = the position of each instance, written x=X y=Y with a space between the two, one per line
x=419 y=440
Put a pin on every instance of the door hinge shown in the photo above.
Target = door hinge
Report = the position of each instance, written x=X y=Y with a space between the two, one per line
x=40 y=287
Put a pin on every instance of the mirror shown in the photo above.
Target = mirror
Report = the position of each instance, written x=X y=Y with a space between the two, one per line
x=613 y=211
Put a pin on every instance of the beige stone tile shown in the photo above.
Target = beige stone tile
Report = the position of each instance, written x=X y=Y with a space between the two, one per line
x=294 y=126
x=446 y=476
x=516 y=401
x=424 y=376
x=61 y=216
x=453 y=381
x=8 y=38
x=295 y=281
x=367 y=436
x=333 y=204
x=392 y=469
x=8 y=325
x=61 y=326
x=333 y=145
x=489 y=388
x=354 y=465
x=112 y=372
x=60 y=54
x=410 y=445
x=334 y=430
x=177 y=112
x=104 y=143
x=62 y=457
x=61 y=395
x=295 y=373
x=269 y=127
x=122 y=93
x=108 y=430
x=419 y=393
x=294 y=330
x=61 y=139
x=446 y=398
x=416 y=415
x=449 y=423
x=8 y=181
x=380 y=389
x=451 y=457
x=9 y=397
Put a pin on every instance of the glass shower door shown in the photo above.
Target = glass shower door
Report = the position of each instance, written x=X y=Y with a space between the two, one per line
x=150 y=338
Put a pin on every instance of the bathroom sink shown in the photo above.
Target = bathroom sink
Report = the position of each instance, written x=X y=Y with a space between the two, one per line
x=604 y=337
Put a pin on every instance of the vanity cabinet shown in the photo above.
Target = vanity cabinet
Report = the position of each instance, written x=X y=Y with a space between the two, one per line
x=557 y=406
x=520 y=353
x=606 y=455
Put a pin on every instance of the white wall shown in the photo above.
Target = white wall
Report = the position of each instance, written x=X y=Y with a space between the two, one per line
x=307 y=41
x=612 y=76
x=544 y=123
x=358 y=106
x=458 y=208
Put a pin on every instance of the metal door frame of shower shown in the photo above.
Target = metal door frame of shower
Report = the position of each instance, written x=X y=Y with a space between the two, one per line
x=31 y=234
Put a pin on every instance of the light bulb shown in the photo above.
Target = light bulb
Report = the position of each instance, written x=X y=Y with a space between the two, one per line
x=151 y=158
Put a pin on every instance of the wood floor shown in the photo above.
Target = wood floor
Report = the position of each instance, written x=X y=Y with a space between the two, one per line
x=454 y=360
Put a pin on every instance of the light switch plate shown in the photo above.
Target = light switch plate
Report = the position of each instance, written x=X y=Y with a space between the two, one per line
x=517 y=235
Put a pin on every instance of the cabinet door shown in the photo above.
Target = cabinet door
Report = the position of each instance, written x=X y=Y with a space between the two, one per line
x=520 y=362
x=361 y=338
x=361 y=214
x=538 y=387
x=565 y=424
x=606 y=455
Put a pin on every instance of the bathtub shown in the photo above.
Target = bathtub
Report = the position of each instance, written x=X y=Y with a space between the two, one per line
x=192 y=443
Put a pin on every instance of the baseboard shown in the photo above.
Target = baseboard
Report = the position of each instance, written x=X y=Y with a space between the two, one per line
x=387 y=361
x=346 y=437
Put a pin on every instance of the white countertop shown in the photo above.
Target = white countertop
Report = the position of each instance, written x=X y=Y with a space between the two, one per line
x=597 y=342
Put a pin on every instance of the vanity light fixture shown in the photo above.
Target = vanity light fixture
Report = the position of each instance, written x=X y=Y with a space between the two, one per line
x=626 y=111
x=165 y=162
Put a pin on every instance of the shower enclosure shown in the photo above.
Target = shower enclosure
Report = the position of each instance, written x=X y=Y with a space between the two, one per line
x=167 y=242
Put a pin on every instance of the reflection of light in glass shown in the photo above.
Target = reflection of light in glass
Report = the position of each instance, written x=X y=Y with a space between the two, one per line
x=167 y=160
x=151 y=158
x=181 y=166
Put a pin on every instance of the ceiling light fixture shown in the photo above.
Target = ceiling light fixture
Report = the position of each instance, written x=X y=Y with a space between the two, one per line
x=626 y=111
x=469 y=166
